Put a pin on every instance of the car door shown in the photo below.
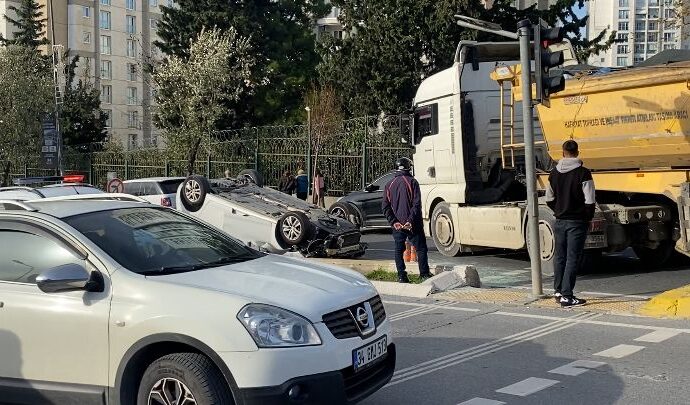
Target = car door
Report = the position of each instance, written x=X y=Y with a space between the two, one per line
x=371 y=202
x=51 y=345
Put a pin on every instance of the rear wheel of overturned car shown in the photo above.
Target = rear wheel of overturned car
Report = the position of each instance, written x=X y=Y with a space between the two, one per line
x=294 y=228
x=443 y=231
x=193 y=192
x=547 y=240
x=252 y=175
x=346 y=212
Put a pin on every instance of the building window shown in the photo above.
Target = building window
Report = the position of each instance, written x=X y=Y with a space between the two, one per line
x=623 y=26
x=153 y=23
x=153 y=3
x=86 y=12
x=653 y=26
x=652 y=48
x=106 y=69
x=131 y=24
x=132 y=96
x=106 y=46
x=131 y=4
x=639 y=48
x=669 y=13
x=108 y=118
x=652 y=37
x=105 y=20
x=131 y=48
x=106 y=94
x=639 y=25
x=639 y=37
x=171 y=3
x=132 y=141
x=105 y=2
x=133 y=119
x=622 y=61
x=622 y=49
x=131 y=72
x=668 y=3
x=653 y=13
x=669 y=37
x=86 y=37
x=638 y=59
x=640 y=16
x=622 y=37
x=622 y=3
x=623 y=14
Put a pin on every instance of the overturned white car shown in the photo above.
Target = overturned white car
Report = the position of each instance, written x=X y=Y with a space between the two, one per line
x=268 y=219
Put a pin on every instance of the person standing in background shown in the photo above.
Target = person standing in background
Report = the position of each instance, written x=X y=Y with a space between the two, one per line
x=319 y=189
x=287 y=183
x=302 y=185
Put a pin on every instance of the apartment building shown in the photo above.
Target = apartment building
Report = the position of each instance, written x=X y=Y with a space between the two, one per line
x=644 y=28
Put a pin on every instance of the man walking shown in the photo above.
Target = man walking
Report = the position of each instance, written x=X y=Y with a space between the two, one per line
x=571 y=197
x=402 y=206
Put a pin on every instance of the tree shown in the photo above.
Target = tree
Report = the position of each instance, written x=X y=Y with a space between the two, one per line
x=193 y=90
x=29 y=23
x=81 y=119
x=283 y=40
x=397 y=43
x=25 y=95
x=326 y=120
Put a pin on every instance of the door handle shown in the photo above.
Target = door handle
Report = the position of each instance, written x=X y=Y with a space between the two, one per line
x=428 y=150
x=2 y=304
x=431 y=172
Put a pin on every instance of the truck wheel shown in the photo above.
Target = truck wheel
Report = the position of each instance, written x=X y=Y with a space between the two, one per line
x=193 y=192
x=655 y=257
x=183 y=378
x=547 y=240
x=346 y=212
x=252 y=175
x=443 y=231
x=294 y=227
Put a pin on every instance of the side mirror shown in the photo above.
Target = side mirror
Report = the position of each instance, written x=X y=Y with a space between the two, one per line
x=371 y=188
x=69 y=277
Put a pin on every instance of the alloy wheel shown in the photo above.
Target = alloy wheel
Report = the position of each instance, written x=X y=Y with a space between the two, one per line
x=170 y=391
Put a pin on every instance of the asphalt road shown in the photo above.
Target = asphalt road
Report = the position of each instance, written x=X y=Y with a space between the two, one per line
x=616 y=274
x=478 y=354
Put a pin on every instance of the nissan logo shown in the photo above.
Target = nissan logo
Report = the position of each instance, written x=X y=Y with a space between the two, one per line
x=362 y=317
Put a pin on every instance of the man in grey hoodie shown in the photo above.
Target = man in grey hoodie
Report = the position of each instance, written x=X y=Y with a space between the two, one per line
x=571 y=196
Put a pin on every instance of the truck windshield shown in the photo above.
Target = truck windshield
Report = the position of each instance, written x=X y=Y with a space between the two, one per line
x=154 y=241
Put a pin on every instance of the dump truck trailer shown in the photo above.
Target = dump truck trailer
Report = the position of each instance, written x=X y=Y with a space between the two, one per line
x=632 y=127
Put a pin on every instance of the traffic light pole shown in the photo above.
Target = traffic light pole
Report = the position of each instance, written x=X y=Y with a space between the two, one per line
x=524 y=33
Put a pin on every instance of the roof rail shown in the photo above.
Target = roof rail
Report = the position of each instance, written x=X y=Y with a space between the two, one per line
x=96 y=197
x=20 y=205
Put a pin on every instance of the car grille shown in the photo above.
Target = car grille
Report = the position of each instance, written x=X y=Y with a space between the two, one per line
x=342 y=324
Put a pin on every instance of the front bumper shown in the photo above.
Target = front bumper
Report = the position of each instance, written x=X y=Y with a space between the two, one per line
x=341 y=387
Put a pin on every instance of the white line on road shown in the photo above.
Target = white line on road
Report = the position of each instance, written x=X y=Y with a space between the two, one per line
x=462 y=356
x=620 y=351
x=528 y=386
x=418 y=311
x=482 y=401
x=577 y=367
x=658 y=336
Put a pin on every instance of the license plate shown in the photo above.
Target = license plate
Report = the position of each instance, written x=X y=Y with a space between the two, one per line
x=595 y=241
x=365 y=356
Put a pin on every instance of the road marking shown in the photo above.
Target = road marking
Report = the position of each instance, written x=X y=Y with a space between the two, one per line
x=442 y=304
x=528 y=386
x=418 y=311
x=462 y=356
x=658 y=336
x=577 y=367
x=482 y=401
x=620 y=351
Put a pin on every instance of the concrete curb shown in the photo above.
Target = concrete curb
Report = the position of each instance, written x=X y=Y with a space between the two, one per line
x=670 y=304
x=403 y=290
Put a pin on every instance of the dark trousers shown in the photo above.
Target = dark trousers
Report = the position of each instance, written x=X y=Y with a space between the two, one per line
x=302 y=196
x=418 y=240
x=570 y=246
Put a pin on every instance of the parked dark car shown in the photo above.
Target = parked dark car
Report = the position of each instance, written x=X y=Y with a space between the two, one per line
x=363 y=208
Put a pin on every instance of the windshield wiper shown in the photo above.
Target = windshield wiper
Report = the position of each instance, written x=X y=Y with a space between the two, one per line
x=193 y=267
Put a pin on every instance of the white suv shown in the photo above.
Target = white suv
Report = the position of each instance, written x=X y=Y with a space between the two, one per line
x=156 y=190
x=127 y=303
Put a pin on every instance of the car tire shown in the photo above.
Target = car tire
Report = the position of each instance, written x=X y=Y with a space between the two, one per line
x=547 y=240
x=443 y=231
x=294 y=228
x=346 y=212
x=193 y=192
x=252 y=175
x=190 y=374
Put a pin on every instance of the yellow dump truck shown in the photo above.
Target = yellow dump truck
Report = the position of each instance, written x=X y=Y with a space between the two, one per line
x=633 y=128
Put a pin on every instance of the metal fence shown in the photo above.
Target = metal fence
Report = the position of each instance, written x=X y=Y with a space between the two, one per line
x=352 y=154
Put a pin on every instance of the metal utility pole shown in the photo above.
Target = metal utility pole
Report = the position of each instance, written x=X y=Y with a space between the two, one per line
x=523 y=34
x=309 y=174
x=534 y=245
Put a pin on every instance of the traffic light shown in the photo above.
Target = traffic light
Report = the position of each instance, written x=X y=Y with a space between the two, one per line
x=544 y=60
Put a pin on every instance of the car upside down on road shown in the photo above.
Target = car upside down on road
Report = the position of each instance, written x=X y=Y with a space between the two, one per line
x=268 y=219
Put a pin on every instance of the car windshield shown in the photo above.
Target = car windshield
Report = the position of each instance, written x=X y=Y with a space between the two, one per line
x=156 y=241
x=170 y=186
x=68 y=190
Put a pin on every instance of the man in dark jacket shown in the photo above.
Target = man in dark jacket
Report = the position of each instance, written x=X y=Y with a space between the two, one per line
x=571 y=197
x=402 y=206
x=287 y=183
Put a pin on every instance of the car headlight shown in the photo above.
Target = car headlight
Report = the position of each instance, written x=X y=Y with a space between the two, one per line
x=271 y=326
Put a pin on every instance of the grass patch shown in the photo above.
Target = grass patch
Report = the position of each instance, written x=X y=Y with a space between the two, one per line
x=383 y=275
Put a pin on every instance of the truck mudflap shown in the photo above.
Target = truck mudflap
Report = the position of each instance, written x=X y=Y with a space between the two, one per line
x=683 y=244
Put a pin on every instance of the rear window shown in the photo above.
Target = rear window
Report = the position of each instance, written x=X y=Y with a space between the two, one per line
x=155 y=241
x=68 y=190
x=170 y=186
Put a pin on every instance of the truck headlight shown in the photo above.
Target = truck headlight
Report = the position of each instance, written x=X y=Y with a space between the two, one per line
x=271 y=326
